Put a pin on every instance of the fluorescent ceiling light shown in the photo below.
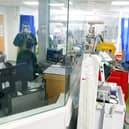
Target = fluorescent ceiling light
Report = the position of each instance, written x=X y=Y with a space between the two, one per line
x=120 y=3
x=70 y=3
x=31 y=3
x=57 y=4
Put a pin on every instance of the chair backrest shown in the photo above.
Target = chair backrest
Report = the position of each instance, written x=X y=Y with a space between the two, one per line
x=24 y=72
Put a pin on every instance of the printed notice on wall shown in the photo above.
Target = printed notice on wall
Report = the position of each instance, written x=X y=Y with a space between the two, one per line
x=1 y=30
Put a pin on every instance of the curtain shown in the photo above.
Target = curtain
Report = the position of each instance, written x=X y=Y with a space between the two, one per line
x=88 y=92
x=125 y=37
x=27 y=20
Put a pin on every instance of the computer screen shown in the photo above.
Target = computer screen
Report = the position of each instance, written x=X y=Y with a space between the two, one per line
x=54 y=55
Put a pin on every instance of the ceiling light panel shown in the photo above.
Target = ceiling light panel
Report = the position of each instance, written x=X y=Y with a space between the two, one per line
x=57 y=4
x=120 y=3
x=31 y=3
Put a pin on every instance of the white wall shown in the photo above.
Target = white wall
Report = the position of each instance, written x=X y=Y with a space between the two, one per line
x=12 y=28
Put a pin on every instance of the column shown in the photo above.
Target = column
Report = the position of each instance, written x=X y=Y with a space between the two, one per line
x=43 y=33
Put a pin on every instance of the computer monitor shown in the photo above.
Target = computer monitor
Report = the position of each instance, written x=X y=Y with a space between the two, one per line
x=54 y=55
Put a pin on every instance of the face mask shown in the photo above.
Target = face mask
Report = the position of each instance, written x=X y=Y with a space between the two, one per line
x=25 y=30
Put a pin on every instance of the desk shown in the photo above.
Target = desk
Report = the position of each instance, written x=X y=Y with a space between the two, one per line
x=55 y=82
x=112 y=115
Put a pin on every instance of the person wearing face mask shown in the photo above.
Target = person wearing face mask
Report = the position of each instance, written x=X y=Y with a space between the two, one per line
x=22 y=37
x=27 y=56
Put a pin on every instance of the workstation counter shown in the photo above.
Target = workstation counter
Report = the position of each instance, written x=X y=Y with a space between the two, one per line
x=55 y=82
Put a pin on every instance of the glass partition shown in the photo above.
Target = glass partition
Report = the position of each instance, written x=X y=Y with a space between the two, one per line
x=34 y=73
x=41 y=52
x=55 y=73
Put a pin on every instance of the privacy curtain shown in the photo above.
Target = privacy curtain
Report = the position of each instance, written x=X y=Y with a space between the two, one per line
x=88 y=92
x=27 y=20
x=125 y=37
